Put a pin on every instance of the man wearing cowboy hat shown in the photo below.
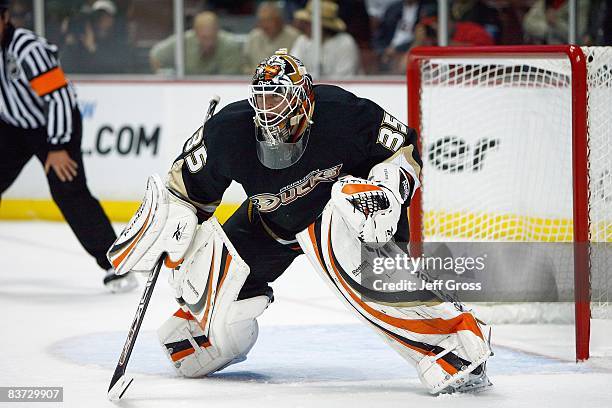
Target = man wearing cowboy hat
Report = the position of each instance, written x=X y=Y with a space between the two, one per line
x=339 y=54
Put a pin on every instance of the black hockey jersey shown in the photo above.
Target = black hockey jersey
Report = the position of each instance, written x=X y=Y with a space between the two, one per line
x=349 y=135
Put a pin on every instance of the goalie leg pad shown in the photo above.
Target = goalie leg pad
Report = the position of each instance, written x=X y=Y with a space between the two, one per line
x=194 y=354
x=219 y=328
x=443 y=343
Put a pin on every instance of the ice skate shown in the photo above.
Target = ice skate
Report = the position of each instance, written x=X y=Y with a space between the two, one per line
x=119 y=283
x=477 y=381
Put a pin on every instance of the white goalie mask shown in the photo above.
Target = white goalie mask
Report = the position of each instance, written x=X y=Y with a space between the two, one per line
x=282 y=97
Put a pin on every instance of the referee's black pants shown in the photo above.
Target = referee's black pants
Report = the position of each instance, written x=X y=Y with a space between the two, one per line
x=80 y=209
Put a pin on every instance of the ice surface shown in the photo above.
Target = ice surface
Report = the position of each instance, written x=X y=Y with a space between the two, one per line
x=60 y=328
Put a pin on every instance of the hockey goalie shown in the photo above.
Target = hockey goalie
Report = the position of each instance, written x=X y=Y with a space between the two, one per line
x=321 y=168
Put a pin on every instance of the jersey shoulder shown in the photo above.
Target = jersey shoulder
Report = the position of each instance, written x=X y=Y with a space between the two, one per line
x=332 y=100
x=325 y=93
x=344 y=115
x=229 y=136
x=232 y=123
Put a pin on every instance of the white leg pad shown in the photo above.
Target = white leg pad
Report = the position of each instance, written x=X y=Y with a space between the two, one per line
x=213 y=329
x=444 y=344
x=193 y=354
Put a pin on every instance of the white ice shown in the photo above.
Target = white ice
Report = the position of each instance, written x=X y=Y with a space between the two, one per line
x=60 y=328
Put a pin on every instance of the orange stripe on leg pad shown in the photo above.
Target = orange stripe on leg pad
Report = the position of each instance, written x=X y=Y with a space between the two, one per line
x=182 y=354
x=171 y=264
x=436 y=326
x=184 y=314
x=49 y=81
x=208 y=294
x=394 y=321
x=445 y=365
x=228 y=260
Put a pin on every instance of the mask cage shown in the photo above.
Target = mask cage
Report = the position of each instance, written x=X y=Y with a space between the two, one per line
x=274 y=106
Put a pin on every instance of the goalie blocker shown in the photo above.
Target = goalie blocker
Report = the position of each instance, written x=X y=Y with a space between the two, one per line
x=162 y=224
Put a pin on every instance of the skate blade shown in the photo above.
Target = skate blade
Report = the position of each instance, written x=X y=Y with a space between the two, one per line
x=120 y=387
x=474 y=388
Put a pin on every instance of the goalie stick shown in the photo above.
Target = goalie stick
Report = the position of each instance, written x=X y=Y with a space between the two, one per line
x=120 y=382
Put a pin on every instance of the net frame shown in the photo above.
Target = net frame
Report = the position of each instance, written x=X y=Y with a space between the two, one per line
x=580 y=169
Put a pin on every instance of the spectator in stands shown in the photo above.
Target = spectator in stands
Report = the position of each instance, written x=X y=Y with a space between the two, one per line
x=339 y=53
x=461 y=33
x=354 y=13
x=270 y=34
x=377 y=8
x=599 y=31
x=477 y=11
x=208 y=50
x=95 y=43
x=21 y=15
x=112 y=51
x=546 y=22
x=78 y=43
x=511 y=13
x=395 y=32
x=291 y=6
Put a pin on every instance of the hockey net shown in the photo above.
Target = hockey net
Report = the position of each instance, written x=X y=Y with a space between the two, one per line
x=517 y=149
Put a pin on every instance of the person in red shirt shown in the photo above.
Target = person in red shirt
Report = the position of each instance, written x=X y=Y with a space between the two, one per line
x=460 y=33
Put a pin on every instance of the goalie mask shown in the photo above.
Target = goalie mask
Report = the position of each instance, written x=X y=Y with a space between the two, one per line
x=281 y=95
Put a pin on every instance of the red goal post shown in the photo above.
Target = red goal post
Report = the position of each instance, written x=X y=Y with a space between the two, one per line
x=579 y=153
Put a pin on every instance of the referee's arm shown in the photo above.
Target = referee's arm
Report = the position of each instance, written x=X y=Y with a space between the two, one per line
x=48 y=81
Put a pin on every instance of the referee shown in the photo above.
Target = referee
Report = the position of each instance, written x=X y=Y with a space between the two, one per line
x=39 y=117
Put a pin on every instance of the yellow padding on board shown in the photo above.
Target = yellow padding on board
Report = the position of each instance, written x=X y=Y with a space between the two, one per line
x=454 y=225
x=118 y=211
x=508 y=227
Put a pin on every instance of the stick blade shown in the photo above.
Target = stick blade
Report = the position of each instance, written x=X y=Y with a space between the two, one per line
x=116 y=390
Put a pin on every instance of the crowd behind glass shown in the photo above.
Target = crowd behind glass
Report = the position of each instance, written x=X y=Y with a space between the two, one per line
x=359 y=37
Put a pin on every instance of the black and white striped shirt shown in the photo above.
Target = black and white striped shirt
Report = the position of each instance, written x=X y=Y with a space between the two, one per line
x=34 y=92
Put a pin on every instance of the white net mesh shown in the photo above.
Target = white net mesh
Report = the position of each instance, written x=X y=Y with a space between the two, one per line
x=497 y=150
x=599 y=80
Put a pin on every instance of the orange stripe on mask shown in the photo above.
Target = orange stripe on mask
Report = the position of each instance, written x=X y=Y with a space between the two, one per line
x=49 y=81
